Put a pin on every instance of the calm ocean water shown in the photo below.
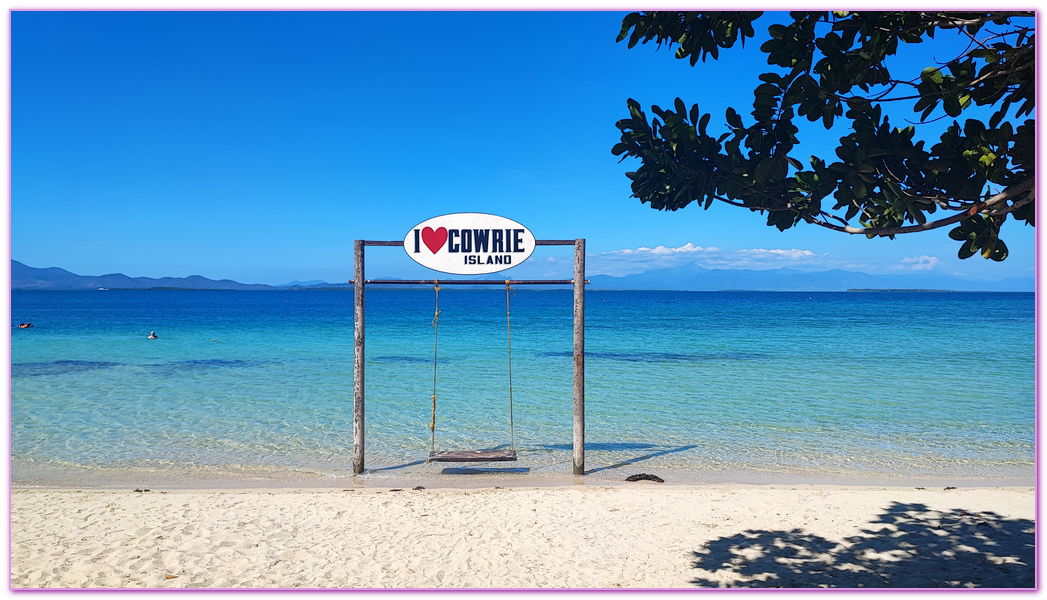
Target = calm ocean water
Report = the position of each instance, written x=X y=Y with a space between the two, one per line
x=701 y=387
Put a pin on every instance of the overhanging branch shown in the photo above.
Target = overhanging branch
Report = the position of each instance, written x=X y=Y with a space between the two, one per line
x=1007 y=194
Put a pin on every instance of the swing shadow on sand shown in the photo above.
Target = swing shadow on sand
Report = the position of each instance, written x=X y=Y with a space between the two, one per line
x=598 y=446
x=462 y=470
x=485 y=470
x=595 y=446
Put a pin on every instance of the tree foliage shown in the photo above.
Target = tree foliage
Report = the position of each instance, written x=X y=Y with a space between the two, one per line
x=828 y=65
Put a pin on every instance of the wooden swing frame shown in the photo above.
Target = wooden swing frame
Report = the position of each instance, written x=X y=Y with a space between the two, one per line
x=360 y=283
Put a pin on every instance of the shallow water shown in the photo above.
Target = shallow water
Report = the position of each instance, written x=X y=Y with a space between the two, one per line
x=794 y=387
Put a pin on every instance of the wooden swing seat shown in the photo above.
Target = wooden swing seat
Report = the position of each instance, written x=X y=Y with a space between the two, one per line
x=472 y=456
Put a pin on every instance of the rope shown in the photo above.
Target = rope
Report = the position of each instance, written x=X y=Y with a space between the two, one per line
x=436 y=332
x=509 y=341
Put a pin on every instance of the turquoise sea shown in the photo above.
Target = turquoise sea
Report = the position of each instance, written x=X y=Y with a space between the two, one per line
x=256 y=388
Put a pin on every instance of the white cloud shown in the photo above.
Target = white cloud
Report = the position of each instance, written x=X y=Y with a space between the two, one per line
x=793 y=253
x=687 y=248
x=918 y=263
x=629 y=261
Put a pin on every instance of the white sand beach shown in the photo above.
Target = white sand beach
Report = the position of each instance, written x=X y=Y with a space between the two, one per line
x=636 y=535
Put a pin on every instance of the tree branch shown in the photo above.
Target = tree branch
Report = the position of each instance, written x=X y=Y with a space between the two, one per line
x=1013 y=207
x=1007 y=194
x=992 y=16
x=964 y=85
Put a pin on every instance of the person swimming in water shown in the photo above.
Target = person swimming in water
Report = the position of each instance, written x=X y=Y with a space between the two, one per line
x=152 y=335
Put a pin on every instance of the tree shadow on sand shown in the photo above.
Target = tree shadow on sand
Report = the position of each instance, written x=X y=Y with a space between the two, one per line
x=908 y=546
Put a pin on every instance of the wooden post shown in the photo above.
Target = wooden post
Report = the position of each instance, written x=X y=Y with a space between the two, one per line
x=579 y=357
x=358 y=360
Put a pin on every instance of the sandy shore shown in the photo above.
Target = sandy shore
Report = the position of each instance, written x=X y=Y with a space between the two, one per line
x=639 y=535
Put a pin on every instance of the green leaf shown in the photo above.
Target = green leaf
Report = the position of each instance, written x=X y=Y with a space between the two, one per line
x=733 y=119
x=703 y=123
x=634 y=108
x=828 y=117
x=988 y=249
x=1001 y=251
x=859 y=189
x=932 y=74
x=974 y=129
x=929 y=110
x=967 y=250
x=763 y=170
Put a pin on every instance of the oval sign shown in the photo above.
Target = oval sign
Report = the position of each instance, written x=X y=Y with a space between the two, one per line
x=469 y=243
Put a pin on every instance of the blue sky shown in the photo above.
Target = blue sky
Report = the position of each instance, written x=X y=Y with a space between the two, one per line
x=257 y=146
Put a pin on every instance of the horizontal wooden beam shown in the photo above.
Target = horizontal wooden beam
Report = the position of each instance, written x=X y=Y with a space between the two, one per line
x=536 y=243
x=466 y=281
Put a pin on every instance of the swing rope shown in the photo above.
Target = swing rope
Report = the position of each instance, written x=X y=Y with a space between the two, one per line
x=436 y=332
x=509 y=341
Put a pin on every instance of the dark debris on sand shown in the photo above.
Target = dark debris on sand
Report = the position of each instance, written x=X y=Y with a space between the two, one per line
x=645 y=477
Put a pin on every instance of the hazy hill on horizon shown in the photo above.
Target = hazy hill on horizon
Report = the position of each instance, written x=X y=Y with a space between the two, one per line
x=24 y=277
x=685 y=278
x=696 y=278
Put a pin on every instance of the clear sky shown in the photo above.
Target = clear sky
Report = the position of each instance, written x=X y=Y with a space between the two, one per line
x=256 y=146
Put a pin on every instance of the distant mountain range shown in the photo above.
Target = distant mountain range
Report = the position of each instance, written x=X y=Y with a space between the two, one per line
x=690 y=277
x=695 y=278
x=29 y=278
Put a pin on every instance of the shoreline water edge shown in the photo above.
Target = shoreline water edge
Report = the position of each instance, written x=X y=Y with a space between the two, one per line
x=473 y=475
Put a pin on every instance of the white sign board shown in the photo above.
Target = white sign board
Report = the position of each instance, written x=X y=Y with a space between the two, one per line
x=469 y=243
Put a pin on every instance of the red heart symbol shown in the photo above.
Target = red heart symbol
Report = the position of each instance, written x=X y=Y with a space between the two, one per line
x=434 y=240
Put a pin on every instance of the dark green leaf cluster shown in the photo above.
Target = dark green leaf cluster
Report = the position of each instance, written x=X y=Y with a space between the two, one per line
x=697 y=34
x=834 y=65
